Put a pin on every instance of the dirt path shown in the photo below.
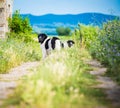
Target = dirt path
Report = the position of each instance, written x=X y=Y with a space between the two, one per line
x=8 y=82
x=111 y=89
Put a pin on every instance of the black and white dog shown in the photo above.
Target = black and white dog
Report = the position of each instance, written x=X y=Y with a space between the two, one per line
x=48 y=44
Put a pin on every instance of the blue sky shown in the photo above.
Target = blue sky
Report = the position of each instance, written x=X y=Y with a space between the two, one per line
x=41 y=7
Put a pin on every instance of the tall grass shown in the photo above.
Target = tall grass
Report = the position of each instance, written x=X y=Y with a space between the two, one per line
x=104 y=45
x=60 y=81
x=14 y=51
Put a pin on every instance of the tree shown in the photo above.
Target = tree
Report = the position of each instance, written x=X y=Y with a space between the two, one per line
x=26 y=25
x=63 y=31
x=17 y=24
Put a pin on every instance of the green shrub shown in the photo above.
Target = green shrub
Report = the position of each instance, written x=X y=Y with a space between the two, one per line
x=110 y=47
x=86 y=35
x=103 y=44
x=17 y=24
x=26 y=37
x=19 y=27
x=62 y=31
x=106 y=48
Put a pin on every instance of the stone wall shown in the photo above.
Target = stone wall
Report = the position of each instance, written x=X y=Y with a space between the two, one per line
x=5 y=13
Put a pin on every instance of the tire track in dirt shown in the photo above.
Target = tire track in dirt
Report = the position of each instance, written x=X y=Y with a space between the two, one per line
x=111 y=89
x=8 y=82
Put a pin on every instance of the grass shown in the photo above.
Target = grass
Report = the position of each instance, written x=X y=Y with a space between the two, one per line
x=13 y=52
x=60 y=81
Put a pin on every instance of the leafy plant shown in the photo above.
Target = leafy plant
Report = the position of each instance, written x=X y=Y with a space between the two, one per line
x=106 y=47
x=19 y=25
x=86 y=35
x=110 y=47
x=61 y=31
x=103 y=44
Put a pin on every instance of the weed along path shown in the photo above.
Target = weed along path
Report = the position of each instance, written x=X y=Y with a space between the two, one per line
x=8 y=82
x=111 y=89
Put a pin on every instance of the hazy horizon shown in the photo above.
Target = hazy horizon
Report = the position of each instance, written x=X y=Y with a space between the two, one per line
x=42 y=7
x=70 y=14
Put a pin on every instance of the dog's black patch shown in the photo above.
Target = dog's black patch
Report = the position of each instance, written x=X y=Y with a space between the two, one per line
x=62 y=45
x=46 y=44
x=42 y=37
x=53 y=42
x=70 y=43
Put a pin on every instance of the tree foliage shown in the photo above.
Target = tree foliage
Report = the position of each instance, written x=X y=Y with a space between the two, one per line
x=63 y=31
x=17 y=24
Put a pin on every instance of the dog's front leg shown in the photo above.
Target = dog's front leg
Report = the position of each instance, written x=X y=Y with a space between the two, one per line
x=44 y=53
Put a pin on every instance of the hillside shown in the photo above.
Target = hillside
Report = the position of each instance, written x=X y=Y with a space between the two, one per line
x=85 y=18
x=51 y=21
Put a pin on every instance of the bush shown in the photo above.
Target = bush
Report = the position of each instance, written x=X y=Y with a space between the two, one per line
x=20 y=27
x=106 y=48
x=110 y=47
x=61 y=31
x=103 y=44
x=17 y=24
x=86 y=34
x=25 y=37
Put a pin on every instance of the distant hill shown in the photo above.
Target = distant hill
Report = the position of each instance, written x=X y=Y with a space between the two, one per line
x=51 y=21
x=85 y=18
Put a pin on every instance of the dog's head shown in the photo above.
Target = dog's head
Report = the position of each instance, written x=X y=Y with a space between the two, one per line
x=70 y=43
x=42 y=37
